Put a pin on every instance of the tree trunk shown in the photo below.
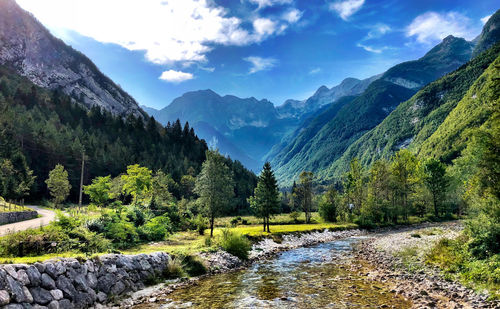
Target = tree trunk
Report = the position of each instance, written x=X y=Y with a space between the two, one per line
x=268 y=225
x=264 y=220
x=212 y=219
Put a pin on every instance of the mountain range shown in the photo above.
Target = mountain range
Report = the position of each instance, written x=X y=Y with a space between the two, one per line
x=423 y=105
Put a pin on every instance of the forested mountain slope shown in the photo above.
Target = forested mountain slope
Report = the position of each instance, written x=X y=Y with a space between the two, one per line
x=46 y=128
x=414 y=123
x=366 y=111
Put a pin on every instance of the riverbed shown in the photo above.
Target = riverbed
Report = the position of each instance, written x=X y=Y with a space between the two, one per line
x=325 y=275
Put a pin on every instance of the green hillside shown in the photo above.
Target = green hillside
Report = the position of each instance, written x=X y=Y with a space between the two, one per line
x=415 y=120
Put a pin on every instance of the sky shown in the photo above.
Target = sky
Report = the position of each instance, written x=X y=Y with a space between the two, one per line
x=156 y=50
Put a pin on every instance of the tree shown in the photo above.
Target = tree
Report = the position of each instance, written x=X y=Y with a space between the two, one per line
x=406 y=175
x=160 y=191
x=266 y=200
x=305 y=193
x=137 y=182
x=58 y=184
x=99 y=191
x=380 y=191
x=214 y=186
x=437 y=182
x=353 y=185
x=329 y=204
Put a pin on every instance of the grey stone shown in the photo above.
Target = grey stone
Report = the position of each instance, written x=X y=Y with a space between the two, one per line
x=29 y=297
x=53 y=305
x=102 y=297
x=105 y=283
x=11 y=271
x=34 y=276
x=14 y=306
x=4 y=297
x=16 y=290
x=65 y=285
x=41 y=296
x=90 y=266
x=48 y=282
x=81 y=283
x=92 y=280
x=3 y=279
x=57 y=294
x=65 y=304
x=37 y=306
x=83 y=300
x=50 y=269
x=22 y=277
x=40 y=267
x=118 y=288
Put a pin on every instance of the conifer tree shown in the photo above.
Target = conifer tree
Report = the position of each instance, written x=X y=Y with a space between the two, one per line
x=266 y=200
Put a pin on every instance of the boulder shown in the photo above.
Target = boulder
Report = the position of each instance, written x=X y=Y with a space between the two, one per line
x=16 y=290
x=22 y=277
x=47 y=282
x=57 y=294
x=4 y=297
x=41 y=296
x=53 y=305
x=27 y=293
x=64 y=284
x=81 y=283
x=105 y=283
x=34 y=276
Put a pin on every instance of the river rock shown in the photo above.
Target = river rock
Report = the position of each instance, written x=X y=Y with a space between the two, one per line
x=56 y=294
x=4 y=297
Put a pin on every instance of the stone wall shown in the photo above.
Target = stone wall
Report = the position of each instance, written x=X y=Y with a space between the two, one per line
x=69 y=283
x=16 y=216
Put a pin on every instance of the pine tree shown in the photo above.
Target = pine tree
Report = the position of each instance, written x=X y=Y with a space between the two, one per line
x=266 y=200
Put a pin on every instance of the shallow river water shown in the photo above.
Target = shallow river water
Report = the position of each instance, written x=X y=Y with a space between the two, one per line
x=312 y=277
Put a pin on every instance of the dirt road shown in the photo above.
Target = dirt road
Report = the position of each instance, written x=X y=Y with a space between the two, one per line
x=47 y=216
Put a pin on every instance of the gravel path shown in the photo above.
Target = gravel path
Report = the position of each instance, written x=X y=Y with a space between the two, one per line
x=47 y=216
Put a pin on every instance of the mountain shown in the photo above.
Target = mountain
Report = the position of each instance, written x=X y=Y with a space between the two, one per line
x=489 y=35
x=423 y=122
x=367 y=110
x=29 y=48
x=323 y=96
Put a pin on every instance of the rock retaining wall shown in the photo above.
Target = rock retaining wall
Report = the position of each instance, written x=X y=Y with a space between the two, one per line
x=16 y=216
x=69 y=283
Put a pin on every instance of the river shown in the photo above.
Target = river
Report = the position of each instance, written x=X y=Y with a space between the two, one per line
x=322 y=276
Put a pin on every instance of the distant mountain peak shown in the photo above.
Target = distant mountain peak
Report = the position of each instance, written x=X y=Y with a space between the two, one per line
x=489 y=35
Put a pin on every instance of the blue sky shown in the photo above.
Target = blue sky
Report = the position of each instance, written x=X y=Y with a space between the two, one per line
x=273 y=49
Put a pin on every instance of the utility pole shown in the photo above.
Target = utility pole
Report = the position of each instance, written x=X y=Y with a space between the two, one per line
x=81 y=181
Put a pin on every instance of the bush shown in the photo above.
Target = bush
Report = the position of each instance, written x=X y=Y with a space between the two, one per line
x=235 y=244
x=33 y=242
x=194 y=266
x=156 y=229
x=122 y=233
x=174 y=269
x=328 y=211
x=295 y=216
x=244 y=222
x=88 y=242
x=201 y=224
x=234 y=222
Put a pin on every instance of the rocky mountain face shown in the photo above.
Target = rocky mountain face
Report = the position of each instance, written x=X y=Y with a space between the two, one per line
x=316 y=147
x=323 y=96
x=490 y=34
x=29 y=48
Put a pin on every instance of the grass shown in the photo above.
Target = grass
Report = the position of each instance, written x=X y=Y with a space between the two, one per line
x=9 y=207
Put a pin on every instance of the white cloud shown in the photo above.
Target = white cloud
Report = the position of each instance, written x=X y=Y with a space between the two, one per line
x=378 y=31
x=264 y=27
x=260 y=64
x=372 y=49
x=168 y=31
x=175 y=76
x=315 y=71
x=264 y=3
x=432 y=26
x=346 y=8
x=485 y=19
x=292 y=16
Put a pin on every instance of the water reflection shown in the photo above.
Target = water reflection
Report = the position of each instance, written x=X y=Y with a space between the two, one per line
x=314 y=277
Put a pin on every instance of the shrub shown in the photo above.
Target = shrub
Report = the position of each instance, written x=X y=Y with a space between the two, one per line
x=235 y=244
x=244 y=222
x=174 y=269
x=194 y=266
x=34 y=242
x=201 y=224
x=234 y=222
x=295 y=216
x=88 y=242
x=156 y=229
x=122 y=233
x=208 y=241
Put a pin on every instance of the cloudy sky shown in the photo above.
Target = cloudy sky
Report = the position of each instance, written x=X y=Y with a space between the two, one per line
x=275 y=49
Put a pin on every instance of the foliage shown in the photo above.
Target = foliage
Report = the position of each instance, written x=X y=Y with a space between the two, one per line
x=58 y=184
x=201 y=224
x=329 y=204
x=294 y=215
x=99 y=191
x=305 y=194
x=436 y=181
x=214 y=185
x=193 y=265
x=235 y=244
x=266 y=201
x=137 y=182
x=156 y=229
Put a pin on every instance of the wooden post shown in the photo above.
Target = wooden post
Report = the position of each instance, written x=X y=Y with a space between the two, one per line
x=81 y=181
